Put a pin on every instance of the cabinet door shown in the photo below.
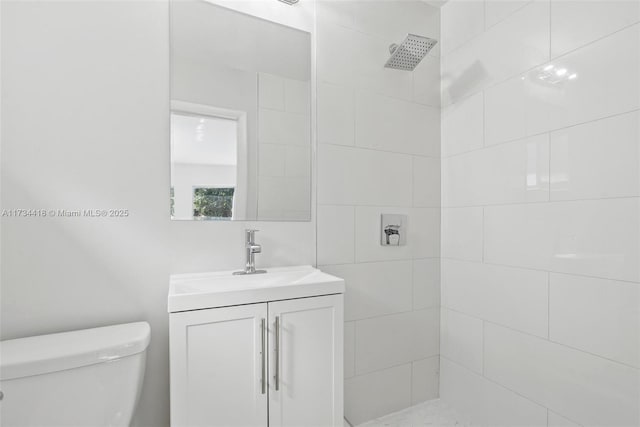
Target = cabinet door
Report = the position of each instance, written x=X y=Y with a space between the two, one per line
x=305 y=358
x=217 y=367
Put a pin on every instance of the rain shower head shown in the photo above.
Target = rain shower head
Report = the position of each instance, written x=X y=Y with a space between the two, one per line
x=410 y=52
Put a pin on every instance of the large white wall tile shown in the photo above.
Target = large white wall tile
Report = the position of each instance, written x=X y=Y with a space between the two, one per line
x=297 y=163
x=272 y=159
x=375 y=289
x=462 y=233
x=378 y=393
x=508 y=173
x=335 y=50
x=513 y=46
x=589 y=389
x=426 y=182
x=270 y=91
x=426 y=283
x=596 y=160
x=391 y=340
x=389 y=124
x=462 y=126
x=370 y=55
x=426 y=82
x=297 y=96
x=424 y=379
x=513 y=297
x=596 y=315
x=387 y=20
x=368 y=247
x=498 y=10
x=576 y=23
x=336 y=231
x=279 y=127
x=593 y=237
x=518 y=43
x=526 y=105
x=351 y=176
x=461 y=21
x=461 y=339
x=336 y=114
x=424 y=232
x=335 y=12
x=484 y=402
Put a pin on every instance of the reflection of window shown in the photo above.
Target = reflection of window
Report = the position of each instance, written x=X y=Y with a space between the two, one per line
x=213 y=203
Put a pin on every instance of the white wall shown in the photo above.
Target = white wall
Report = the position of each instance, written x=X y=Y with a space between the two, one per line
x=540 y=227
x=85 y=124
x=378 y=152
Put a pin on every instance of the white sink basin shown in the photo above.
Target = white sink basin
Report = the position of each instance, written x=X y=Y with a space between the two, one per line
x=219 y=289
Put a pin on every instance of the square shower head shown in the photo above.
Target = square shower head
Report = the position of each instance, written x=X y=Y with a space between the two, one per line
x=408 y=55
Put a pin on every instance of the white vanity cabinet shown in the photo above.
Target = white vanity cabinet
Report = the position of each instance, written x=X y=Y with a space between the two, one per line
x=275 y=363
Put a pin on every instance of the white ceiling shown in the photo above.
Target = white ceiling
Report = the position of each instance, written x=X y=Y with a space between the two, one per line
x=203 y=140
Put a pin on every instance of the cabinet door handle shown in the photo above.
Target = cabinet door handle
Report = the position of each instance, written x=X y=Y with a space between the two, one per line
x=277 y=351
x=263 y=327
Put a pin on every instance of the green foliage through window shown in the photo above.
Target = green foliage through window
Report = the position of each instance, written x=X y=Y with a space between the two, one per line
x=213 y=203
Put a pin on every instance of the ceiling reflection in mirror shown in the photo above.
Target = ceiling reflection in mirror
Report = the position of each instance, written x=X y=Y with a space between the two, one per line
x=240 y=116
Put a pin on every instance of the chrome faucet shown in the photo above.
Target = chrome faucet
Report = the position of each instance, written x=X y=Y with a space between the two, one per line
x=251 y=248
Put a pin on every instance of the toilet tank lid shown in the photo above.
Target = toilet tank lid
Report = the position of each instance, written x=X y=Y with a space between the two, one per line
x=43 y=354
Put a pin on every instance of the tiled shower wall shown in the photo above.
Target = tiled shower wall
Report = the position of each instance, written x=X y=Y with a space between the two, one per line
x=379 y=152
x=540 y=219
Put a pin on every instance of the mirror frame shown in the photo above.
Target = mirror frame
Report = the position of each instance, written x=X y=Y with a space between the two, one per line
x=300 y=17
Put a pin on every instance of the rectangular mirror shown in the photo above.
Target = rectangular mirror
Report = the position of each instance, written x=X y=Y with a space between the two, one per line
x=240 y=116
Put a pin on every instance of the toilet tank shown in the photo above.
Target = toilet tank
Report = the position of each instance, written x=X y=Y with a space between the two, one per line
x=91 y=377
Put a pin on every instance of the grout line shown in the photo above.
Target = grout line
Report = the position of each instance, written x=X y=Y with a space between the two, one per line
x=358 y=147
x=493 y=381
x=406 y=207
x=398 y=365
x=549 y=131
x=484 y=119
x=529 y=334
x=549 y=306
x=528 y=70
x=488 y=205
x=552 y=58
x=549 y=167
x=509 y=389
x=355 y=225
x=484 y=323
x=385 y=261
x=355 y=349
x=513 y=12
x=538 y=202
x=483 y=234
x=517 y=267
x=550 y=42
x=395 y=313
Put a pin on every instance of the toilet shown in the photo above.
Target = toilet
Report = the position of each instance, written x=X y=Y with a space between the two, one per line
x=91 y=377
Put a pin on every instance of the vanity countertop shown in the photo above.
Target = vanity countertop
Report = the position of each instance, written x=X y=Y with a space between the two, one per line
x=220 y=289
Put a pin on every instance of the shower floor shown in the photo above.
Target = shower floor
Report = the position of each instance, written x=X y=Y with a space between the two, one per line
x=431 y=413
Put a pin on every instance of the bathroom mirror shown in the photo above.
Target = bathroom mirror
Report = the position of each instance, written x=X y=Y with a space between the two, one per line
x=240 y=116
